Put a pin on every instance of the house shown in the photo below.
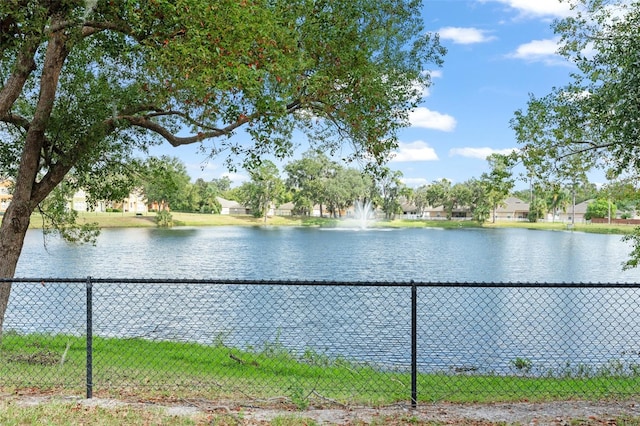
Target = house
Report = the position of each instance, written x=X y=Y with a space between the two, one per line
x=78 y=201
x=289 y=209
x=409 y=211
x=512 y=209
x=231 y=207
x=136 y=202
x=439 y=213
x=574 y=215
x=285 y=209
x=5 y=194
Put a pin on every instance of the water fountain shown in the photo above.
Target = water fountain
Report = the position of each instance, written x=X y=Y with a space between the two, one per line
x=363 y=213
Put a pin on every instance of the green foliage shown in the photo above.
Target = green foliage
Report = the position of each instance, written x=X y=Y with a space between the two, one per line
x=522 y=364
x=600 y=208
x=497 y=184
x=306 y=177
x=165 y=181
x=164 y=219
x=148 y=368
x=392 y=191
x=264 y=191
x=59 y=218
x=591 y=121
x=85 y=86
x=470 y=196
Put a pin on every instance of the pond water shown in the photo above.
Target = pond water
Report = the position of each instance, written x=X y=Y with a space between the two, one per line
x=481 y=329
x=425 y=254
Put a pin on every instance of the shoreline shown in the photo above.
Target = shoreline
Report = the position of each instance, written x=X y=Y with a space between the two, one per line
x=131 y=220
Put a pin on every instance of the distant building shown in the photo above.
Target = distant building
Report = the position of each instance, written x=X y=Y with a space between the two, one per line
x=136 y=202
x=231 y=207
x=5 y=194
x=574 y=215
x=513 y=209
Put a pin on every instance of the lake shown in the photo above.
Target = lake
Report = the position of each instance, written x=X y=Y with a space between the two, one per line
x=482 y=329
x=424 y=254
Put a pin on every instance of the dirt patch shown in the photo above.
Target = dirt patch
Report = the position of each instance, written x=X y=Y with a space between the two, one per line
x=547 y=413
x=523 y=413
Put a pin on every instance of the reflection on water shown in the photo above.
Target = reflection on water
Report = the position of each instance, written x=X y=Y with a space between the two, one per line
x=483 y=329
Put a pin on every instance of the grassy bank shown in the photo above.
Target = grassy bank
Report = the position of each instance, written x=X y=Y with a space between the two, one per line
x=149 y=370
x=131 y=220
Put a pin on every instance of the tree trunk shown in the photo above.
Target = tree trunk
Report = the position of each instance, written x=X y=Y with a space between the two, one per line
x=27 y=193
x=12 y=232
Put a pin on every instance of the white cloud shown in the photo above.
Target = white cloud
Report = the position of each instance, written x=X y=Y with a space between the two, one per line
x=538 y=8
x=414 y=182
x=414 y=151
x=464 y=35
x=427 y=119
x=540 y=51
x=480 y=153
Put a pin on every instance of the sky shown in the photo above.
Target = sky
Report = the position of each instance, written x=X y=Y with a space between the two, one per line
x=499 y=52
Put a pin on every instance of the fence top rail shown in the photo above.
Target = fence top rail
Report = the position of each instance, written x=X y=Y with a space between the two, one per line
x=317 y=283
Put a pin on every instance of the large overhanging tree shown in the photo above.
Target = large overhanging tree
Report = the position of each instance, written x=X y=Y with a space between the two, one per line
x=86 y=84
x=594 y=121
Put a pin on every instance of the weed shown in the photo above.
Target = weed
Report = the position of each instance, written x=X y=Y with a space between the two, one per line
x=522 y=364
x=299 y=398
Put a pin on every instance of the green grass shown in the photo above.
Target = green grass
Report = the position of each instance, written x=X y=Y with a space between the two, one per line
x=130 y=220
x=65 y=413
x=144 y=369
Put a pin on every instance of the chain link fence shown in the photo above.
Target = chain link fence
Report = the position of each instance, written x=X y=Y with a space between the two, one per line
x=334 y=342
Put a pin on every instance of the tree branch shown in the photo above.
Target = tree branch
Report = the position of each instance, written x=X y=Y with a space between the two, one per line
x=25 y=65
x=146 y=122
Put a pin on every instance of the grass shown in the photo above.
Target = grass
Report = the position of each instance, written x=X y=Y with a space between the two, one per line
x=65 y=413
x=141 y=368
x=269 y=376
x=131 y=220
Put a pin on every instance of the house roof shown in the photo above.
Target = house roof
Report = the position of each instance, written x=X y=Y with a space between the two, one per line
x=513 y=204
x=581 y=207
x=229 y=204
x=287 y=206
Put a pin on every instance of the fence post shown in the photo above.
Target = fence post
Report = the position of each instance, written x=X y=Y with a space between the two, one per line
x=414 y=345
x=89 y=338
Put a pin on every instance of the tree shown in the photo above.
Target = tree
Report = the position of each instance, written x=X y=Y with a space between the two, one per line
x=442 y=193
x=600 y=208
x=537 y=209
x=420 y=199
x=557 y=198
x=460 y=196
x=86 y=84
x=220 y=185
x=593 y=119
x=392 y=190
x=304 y=178
x=207 y=193
x=166 y=182
x=345 y=187
x=478 y=200
x=264 y=190
x=499 y=182
x=438 y=193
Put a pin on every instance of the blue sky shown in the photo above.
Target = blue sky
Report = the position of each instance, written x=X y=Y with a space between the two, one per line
x=499 y=51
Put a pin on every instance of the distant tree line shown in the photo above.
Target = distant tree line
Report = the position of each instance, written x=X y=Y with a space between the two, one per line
x=316 y=180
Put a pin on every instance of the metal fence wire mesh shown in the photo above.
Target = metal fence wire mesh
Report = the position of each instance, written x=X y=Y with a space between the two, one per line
x=372 y=343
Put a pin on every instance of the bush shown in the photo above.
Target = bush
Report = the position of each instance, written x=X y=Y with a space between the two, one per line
x=164 y=219
x=600 y=208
